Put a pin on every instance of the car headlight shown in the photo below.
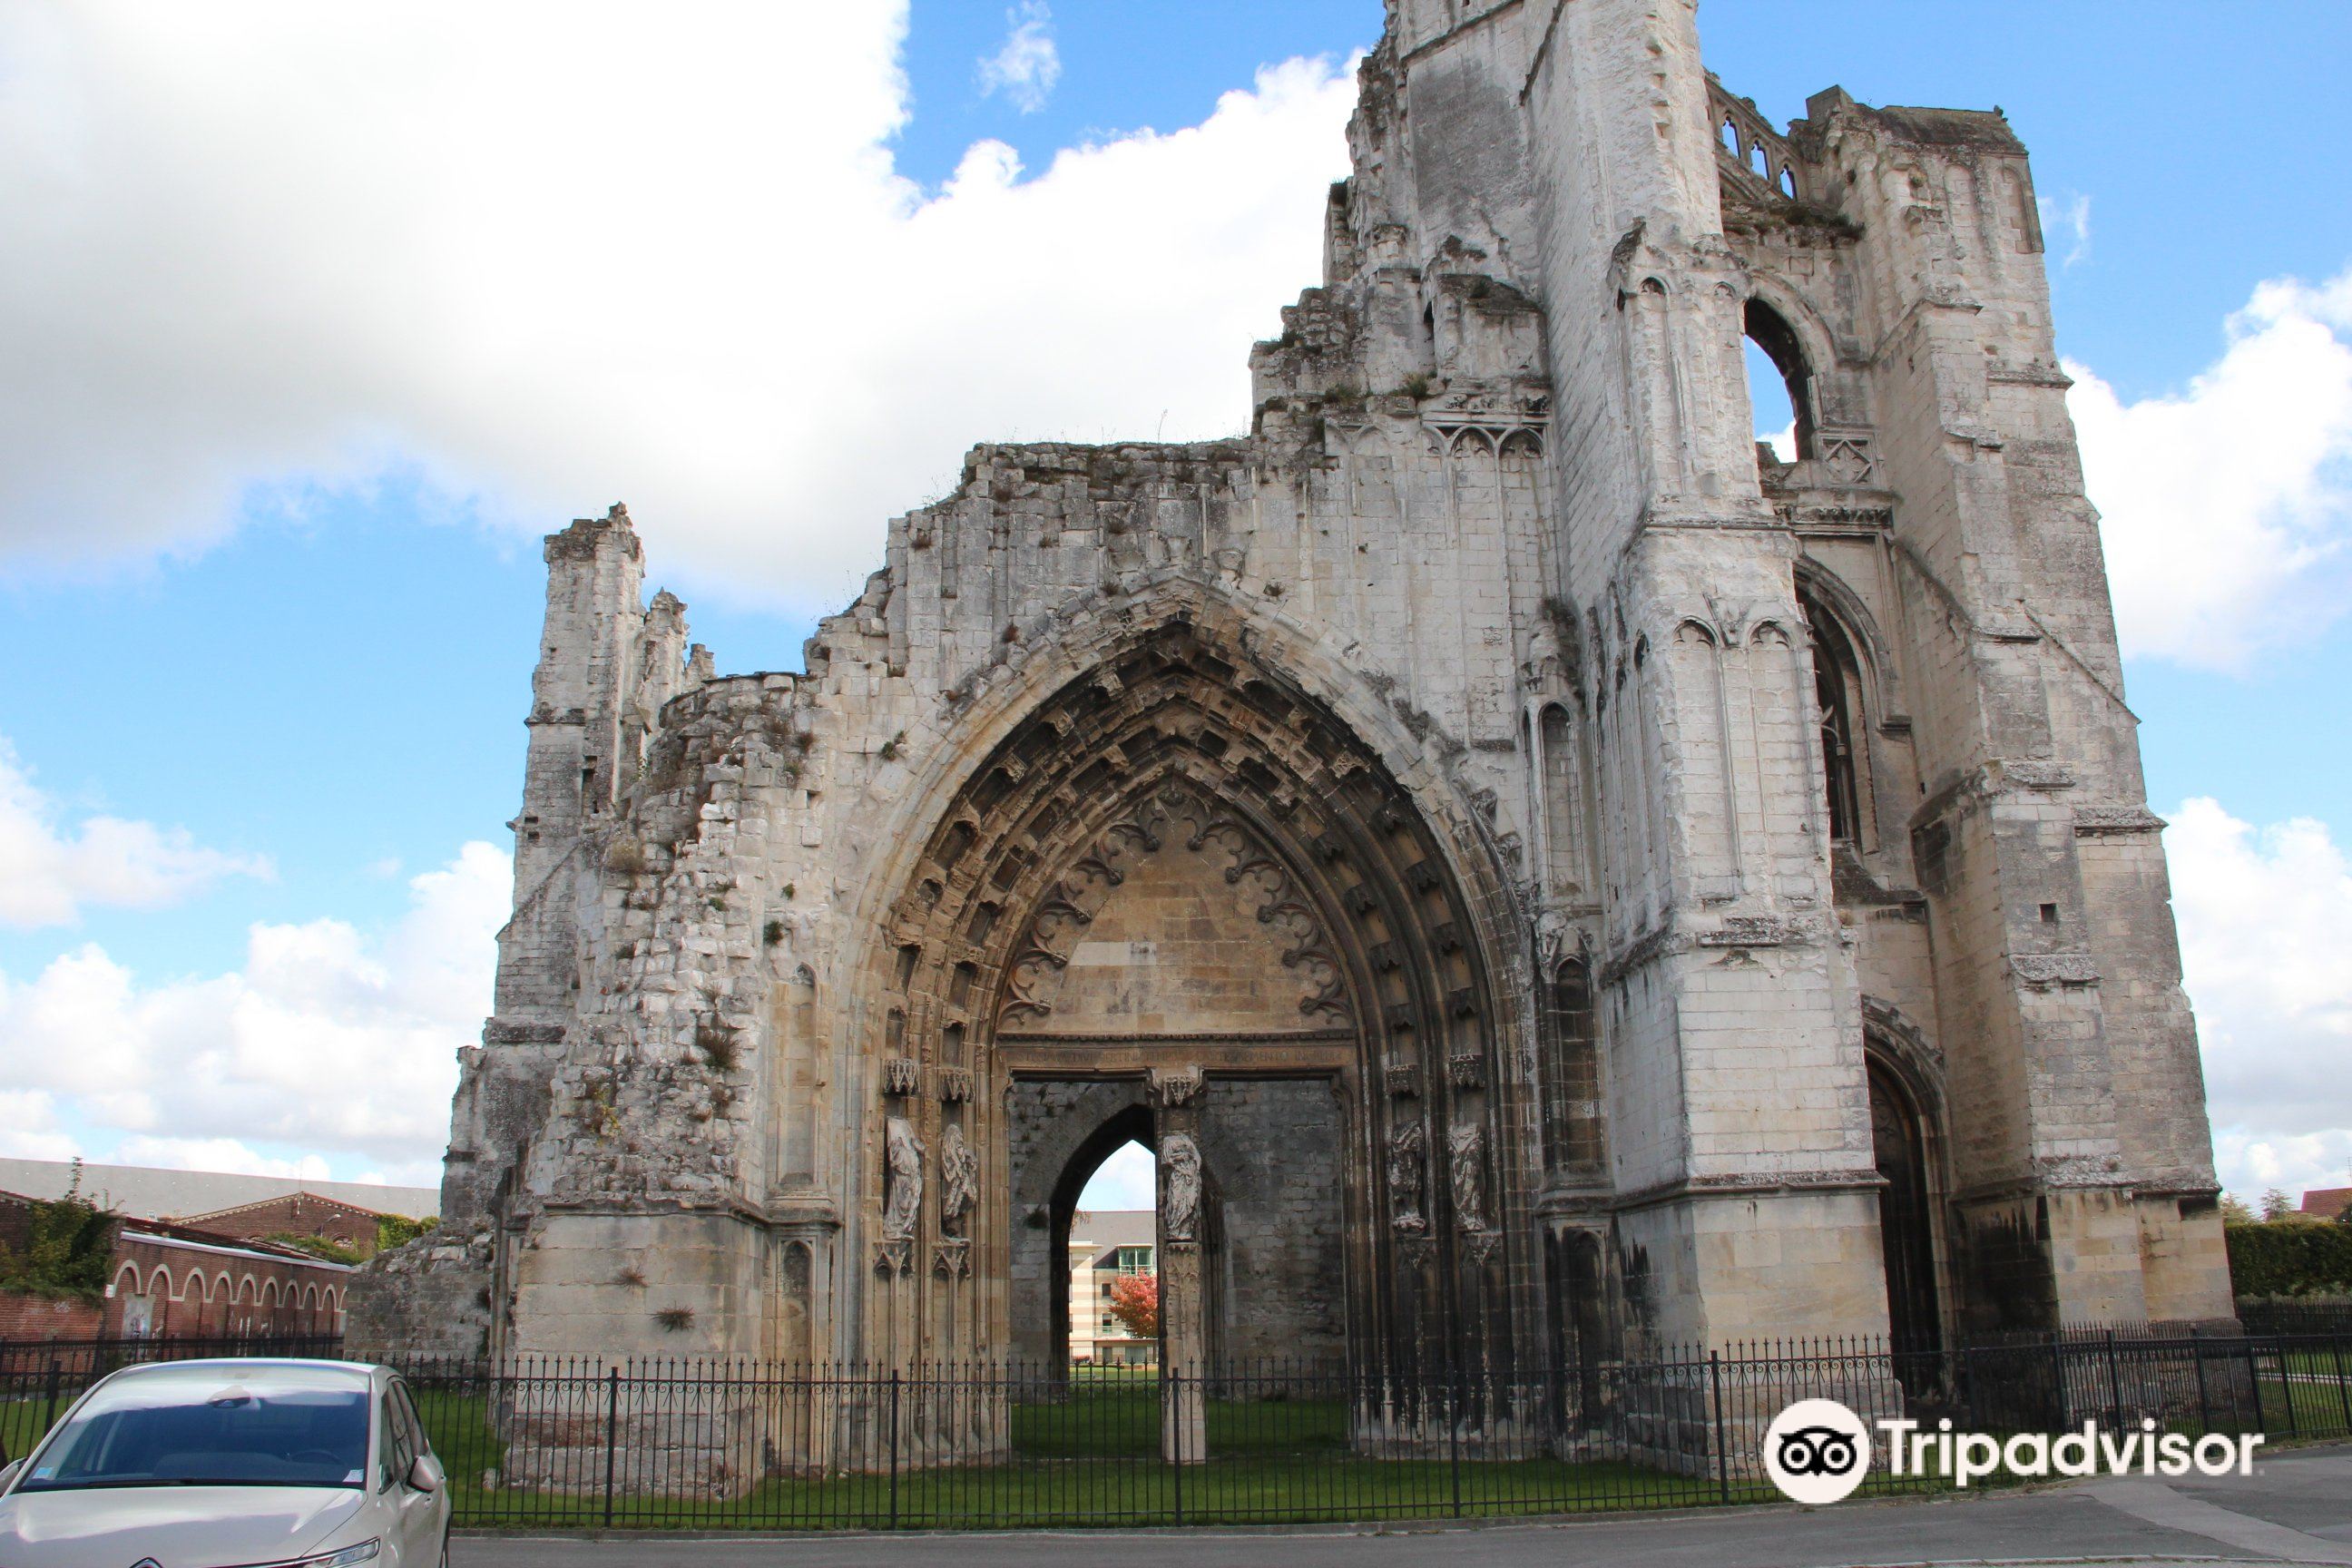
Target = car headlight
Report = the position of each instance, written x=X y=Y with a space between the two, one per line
x=340 y=1558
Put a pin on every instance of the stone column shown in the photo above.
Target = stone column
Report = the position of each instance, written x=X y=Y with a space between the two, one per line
x=1183 y=1336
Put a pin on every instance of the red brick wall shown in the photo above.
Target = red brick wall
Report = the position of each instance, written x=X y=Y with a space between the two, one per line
x=295 y=1214
x=25 y=1317
x=190 y=1293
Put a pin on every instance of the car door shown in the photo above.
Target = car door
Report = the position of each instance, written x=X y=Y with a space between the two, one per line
x=415 y=1523
x=429 y=1509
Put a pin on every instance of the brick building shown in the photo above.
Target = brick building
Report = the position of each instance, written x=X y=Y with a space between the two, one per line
x=297 y=1213
x=1103 y=1245
x=175 y=1281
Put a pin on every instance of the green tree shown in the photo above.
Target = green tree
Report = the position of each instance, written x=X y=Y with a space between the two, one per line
x=2235 y=1210
x=398 y=1230
x=68 y=1247
x=2276 y=1204
x=324 y=1246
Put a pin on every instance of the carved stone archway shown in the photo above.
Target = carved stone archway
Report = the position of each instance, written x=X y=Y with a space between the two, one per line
x=1182 y=863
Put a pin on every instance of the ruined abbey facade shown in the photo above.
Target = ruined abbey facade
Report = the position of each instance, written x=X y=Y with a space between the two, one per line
x=1542 y=873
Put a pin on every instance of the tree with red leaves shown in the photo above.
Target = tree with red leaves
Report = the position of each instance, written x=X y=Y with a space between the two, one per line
x=1135 y=1302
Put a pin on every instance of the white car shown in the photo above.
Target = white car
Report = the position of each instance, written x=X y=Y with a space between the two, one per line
x=231 y=1464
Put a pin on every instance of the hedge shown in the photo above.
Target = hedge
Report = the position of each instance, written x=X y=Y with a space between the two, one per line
x=2289 y=1258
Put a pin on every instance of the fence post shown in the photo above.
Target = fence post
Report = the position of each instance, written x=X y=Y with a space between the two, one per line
x=1454 y=1435
x=2204 y=1403
x=1722 y=1447
x=2343 y=1389
x=2287 y=1384
x=2254 y=1381
x=1176 y=1443
x=2115 y=1385
x=2058 y=1370
x=50 y=1391
x=612 y=1434
x=894 y=1448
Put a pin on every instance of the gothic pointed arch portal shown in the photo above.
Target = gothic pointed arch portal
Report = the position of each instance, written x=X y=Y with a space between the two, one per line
x=1182 y=883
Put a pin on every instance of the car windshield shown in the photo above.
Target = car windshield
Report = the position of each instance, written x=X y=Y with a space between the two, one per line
x=219 y=1428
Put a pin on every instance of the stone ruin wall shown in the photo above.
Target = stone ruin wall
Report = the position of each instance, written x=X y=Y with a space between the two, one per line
x=1499 y=478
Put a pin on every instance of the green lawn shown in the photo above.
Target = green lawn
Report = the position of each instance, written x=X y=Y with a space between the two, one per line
x=1093 y=1459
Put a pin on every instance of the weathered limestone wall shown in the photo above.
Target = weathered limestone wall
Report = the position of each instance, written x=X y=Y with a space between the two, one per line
x=1275 y=1151
x=1734 y=1049
x=1586 y=800
x=2072 y=1058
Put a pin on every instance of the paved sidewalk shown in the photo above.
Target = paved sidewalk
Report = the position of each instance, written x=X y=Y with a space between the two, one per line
x=2296 y=1508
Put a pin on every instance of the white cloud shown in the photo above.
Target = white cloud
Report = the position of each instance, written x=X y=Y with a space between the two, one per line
x=553 y=256
x=1026 y=67
x=2069 y=217
x=48 y=872
x=2228 y=509
x=2262 y=915
x=325 y=1040
x=29 y=1128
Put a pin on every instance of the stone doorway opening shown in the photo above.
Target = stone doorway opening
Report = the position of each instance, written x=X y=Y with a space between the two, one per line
x=1270 y=1268
x=1085 y=1272
x=1905 y=1216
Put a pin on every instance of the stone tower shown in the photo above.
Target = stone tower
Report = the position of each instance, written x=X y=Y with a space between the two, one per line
x=1545 y=875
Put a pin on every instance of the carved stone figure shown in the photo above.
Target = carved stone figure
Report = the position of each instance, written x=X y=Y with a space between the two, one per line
x=1180 y=1191
x=959 y=1180
x=1408 y=1171
x=1469 y=1149
x=902 y=1191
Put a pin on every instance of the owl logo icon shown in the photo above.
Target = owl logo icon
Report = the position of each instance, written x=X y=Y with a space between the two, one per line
x=1817 y=1451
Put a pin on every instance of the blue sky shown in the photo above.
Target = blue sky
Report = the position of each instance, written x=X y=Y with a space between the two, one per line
x=274 y=581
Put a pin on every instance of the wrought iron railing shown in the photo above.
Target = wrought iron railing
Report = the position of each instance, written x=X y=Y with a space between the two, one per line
x=722 y=1445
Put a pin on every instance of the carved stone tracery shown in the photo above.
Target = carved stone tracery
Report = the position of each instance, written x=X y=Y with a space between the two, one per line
x=1071 y=904
x=1186 y=743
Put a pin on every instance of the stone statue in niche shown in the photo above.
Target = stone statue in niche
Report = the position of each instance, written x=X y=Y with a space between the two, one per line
x=1469 y=1151
x=959 y=1180
x=1408 y=1169
x=902 y=1190
x=1180 y=1194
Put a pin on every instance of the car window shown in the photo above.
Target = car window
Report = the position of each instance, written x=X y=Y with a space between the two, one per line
x=207 y=1426
x=418 y=1443
x=394 y=1455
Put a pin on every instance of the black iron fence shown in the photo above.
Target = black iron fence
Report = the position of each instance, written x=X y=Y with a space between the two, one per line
x=728 y=1445
x=2271 y=1315
x=88 y=1358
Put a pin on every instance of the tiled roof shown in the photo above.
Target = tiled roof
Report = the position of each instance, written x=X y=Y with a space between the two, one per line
x=145 y=1193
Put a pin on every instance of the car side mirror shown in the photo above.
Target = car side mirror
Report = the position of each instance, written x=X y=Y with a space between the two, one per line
x=8 y=1472
x=424 y=1475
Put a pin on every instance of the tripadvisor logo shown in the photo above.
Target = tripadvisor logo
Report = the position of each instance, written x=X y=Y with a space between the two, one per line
x=1817 y=1451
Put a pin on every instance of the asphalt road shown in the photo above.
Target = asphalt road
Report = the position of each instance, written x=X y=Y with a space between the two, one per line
x=2295 y=1508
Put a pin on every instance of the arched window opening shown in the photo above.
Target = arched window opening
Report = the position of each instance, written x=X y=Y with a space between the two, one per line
x=1779 y=384
x=1571 y=1079
x=1837 y=690
x=1731 y=138
x=1898 y=1137
x=1557 y=738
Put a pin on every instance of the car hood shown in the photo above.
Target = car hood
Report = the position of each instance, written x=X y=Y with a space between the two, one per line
x=179 y=1527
